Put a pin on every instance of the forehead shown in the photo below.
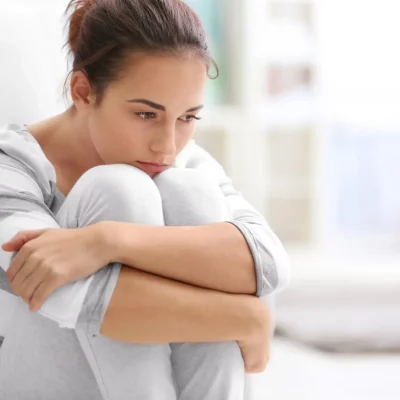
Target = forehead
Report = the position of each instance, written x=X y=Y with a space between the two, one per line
x=163 y=78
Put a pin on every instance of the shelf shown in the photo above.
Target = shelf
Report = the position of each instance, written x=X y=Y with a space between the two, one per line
x=291 y=219
x=272 y=136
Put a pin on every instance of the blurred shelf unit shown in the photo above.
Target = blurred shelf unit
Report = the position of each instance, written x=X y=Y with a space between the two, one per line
x=315 y=154
x=217 y=132
x=290 y=120
x=266 y=132
x=290 y=203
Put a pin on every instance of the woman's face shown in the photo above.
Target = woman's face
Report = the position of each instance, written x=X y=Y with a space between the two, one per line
x=149 y=114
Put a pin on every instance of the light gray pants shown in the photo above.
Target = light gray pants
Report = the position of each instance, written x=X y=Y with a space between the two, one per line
x=203 y=371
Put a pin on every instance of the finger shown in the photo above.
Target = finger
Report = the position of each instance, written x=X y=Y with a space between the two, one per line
x=18 y=262
x=32 y=282
x=16 y=242
x=42 y=293
x=26 y=270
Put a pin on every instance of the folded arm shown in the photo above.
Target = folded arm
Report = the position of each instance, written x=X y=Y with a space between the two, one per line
x=179 y=312
x=240 y=256
x=123 y=304
x=269 y=259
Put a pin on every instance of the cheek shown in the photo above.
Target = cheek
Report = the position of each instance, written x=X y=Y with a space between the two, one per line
x=184 y=135
x=114 y=138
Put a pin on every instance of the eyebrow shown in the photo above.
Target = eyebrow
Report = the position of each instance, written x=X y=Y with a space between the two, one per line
x=161 y=107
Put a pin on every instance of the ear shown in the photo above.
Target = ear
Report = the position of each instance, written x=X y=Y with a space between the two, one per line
x=81 y=91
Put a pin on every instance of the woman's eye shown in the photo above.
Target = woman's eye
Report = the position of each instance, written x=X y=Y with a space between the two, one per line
x=146 y=115
x=189 y=118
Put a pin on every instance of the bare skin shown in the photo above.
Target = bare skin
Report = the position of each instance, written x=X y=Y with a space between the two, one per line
x=183 y=313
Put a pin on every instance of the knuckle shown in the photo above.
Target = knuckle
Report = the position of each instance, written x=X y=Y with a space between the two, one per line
x=59 y=276
x=28 y=247
x=46 y=266
x=36 y=257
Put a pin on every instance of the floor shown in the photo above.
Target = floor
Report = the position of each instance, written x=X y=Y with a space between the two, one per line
x=301 y=373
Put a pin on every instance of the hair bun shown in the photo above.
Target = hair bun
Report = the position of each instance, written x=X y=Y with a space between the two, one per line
x=77 y=10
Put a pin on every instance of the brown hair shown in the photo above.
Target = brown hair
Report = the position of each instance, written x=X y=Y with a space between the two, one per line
x=103 y=32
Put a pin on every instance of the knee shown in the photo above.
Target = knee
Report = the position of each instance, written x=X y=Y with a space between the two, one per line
x=186 y=183
x=212 y=354
x=117 y=193
x=226 y=352
x=119 y=184
x=223 y=354
x=190 y=197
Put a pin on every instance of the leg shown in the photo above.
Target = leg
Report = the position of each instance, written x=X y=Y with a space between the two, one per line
x=203 y=371
x=120 y=193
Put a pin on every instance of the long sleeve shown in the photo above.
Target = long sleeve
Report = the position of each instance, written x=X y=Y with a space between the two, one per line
x=270 y=259
x=25 y=192
x=27 y=186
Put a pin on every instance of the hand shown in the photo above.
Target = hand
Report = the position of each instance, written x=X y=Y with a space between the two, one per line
x=48 y=259
x=256 y=349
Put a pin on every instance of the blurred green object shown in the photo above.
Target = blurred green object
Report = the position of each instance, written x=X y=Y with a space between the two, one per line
x=210 y=13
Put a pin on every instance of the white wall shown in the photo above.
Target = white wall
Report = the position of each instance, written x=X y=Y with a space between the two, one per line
x=32 y=67
x=32 y=71
x=360 y=62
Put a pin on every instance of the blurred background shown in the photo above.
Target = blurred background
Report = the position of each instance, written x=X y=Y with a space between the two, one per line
x=305 y=119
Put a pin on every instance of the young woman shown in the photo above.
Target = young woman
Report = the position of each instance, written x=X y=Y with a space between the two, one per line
x=140 y=262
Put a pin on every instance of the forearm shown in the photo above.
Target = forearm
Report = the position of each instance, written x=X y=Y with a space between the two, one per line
x=149 y=309
x=214 y=256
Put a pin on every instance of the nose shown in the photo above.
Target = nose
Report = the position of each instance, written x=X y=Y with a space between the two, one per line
x=163 y=141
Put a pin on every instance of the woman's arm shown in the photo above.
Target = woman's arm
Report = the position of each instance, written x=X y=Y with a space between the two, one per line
x=145 y=308
x=214 y=256
x=26 y=192
x=243 y=256
x=148 y=309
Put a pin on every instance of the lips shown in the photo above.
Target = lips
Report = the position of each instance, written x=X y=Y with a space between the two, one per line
x=154 y=168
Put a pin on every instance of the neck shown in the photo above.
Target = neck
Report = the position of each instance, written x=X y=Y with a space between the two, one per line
x=66 y=142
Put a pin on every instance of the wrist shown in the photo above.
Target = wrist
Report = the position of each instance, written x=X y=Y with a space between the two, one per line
x=121 y=241
x=259 y=319
x=107 y=238
x=246 y=316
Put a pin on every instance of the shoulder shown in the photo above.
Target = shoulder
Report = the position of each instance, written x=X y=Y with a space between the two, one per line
x=20 y=150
